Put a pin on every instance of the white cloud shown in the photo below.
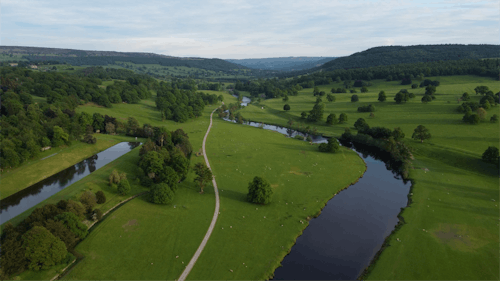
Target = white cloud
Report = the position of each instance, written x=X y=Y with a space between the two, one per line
x=242 y=29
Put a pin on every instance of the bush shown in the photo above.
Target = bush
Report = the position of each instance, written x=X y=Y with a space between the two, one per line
x=494 y=118
x=298 y=137
x=124 y=187
x=100 y=197
x=161 y=194
x=332 y=146
x=354 y=98
x=426 y=98
x=309 y=139
x=89 y=139
x=114 y=177
x=259 y=191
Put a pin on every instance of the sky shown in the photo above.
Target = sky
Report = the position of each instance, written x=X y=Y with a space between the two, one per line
x=234 y=29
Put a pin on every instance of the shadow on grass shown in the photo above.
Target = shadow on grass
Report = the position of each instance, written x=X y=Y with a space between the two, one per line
x=233 y=195
x=463 y=190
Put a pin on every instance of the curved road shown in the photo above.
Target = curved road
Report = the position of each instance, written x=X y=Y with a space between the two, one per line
x=214 y=219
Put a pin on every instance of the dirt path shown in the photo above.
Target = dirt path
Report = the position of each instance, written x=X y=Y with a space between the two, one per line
x=214 y=219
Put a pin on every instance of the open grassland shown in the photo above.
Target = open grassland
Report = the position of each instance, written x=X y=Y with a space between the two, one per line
x=452 y=226
x=251 y=239
x=439 y=116
x=52 y=161
x=16 y=57
x=451 y=229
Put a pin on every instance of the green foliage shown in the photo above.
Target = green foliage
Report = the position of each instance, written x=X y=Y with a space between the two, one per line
x=203 y=175
x=342 y=118
x=366 y=108
x=299 y=137
x=465 y=96
x=98 y=214
x=330 y=98
x=161 y=194
x=13 y=254
x=259 y=191
x=123 y=187
x=382 y=96
x=59 y=230
x=286 y=107
x=421 y=133
x=303 y=115
x=402 y=97
x=316 y=114
x=494 y=118
x=74 y=224
x=331 y=119
x=398 y=134
x=88 y=199
x=114 y=177
x=42 y=249
x=90 y=139
x=100 y=197
x=332 y=146
x=360 y=124
x=490 y=155
x=354 y=98
x=364 y=89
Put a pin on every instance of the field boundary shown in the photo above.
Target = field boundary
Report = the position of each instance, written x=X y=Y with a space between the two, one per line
x=196 y=255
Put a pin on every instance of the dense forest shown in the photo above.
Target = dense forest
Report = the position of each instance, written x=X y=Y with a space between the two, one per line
x=391 y=55
x=282 y=64
x=270 y=88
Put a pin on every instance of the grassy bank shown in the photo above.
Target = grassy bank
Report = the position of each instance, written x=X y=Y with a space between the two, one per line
x=53 y=161
x=249 y=240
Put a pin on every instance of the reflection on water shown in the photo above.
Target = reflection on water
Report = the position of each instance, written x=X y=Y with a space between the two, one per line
x=352 y=227
x=30 y=196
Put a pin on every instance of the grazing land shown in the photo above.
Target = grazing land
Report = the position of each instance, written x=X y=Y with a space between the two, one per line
x=455 y=195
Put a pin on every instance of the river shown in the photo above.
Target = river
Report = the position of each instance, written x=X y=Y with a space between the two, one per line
x=21 y=201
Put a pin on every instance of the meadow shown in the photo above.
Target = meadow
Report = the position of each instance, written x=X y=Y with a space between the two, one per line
x=451 y=227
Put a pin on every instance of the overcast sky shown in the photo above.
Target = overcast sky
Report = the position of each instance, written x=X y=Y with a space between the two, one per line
x=246 y=29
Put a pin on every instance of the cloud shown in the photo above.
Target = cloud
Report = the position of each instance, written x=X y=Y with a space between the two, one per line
x=246 y=29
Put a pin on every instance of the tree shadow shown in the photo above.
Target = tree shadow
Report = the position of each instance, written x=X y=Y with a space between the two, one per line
x=233 y=195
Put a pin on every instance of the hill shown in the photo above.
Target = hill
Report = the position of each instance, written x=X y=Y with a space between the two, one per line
x=122 y=59
x=389 y=55
x=282 y=64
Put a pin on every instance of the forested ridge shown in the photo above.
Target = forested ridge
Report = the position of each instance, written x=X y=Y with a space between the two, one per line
x=391 y=55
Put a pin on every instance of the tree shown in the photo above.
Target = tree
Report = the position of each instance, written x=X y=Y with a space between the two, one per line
x=169 y=176
x=90 y=139
x=398 y=134
x=151 y=163
x=303 y=115
x=60 y=137
x=426 y=99
x=88 y=199
x=354 y=98
x=286 y=107
x=364 y=89
x=42 y=249
x=381 y=96
x=401 y=97
x=110 y=128
x=494 y=118
x=465 y=97
x=421 y=133
x=342 y=118
x=481 y=113
x=316 y=114
x=286 y=98
x=73 y=223
x=13 y=254
x=259 y=191
x=161 y=193
x=490 y=155
x=114 y=177
x=331 y=119
x=98 y=122
x=203 y=175
x=100 y=197
x=330 y=98
x=316 y=91
x=124 y=187
x=332 y=146
x=360 y=124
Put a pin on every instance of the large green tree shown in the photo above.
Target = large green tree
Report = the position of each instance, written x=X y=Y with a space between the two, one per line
x=42 y=249
x=421 y=133
x=259 y=191
x=161 y=193
x=203 y=175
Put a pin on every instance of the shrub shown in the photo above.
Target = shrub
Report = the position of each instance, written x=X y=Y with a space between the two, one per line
x=382 y=96
x=354 y=98
x=100 y=197
x=89 y=139
x=490 y=155
x=298 y=137
x=309 y=139
x=366 y=108
x=494 y=118
x=114 y=177
x=331 y=146
x=124 y=187
x=259 y=191
x=98 y=214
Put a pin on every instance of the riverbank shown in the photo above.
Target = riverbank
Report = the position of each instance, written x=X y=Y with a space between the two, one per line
x=249 y=240
x=43 y=166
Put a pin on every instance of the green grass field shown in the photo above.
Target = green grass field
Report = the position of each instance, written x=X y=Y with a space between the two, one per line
x=456 y=201
x=45 y=165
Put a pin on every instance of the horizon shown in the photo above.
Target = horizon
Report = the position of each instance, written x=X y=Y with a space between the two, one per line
x=229 y=29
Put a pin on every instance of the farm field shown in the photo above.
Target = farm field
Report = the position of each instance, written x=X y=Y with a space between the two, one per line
x=455 y=201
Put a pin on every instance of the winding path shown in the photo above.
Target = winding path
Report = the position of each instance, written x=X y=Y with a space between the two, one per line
x=193 y=260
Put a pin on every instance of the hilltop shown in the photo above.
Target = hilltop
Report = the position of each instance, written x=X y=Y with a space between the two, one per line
x=283 y=63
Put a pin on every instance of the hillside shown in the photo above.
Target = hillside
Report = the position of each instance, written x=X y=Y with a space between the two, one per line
x=389 y=55
x=282 y=64
x=121 y=59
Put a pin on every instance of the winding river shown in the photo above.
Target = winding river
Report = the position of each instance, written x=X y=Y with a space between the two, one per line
x=342 y=241
x=21 y=201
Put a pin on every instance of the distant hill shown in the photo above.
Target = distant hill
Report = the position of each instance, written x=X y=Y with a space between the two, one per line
x=389 y=55
x=103 y=58
x=282 y=64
